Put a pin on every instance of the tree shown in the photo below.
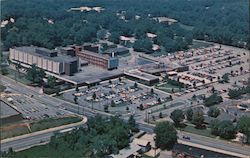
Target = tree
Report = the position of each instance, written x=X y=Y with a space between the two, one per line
x=203 y=81
x=227 y=130
x=159 y=100
x=241 y=69
x=160 y=115
x=135 y=85
x=18 y=67
x=213 y=99
x=11 y=151
x=198 y=119
x=189 y=114
x=32 y=72
x=194 y=84
x=213 y=112
x=152 y=91
x=101 y=34
x=75 y=99
x=213 y=90
x=110 y=82
x=77 y=89
x=115 y=37
x=166 y=135
x=57 y=91
x=112 y=103
x=194 y=97
x=141 y=107
x=35 y=74
x=94 y=96
x=243 y=126
x=177 y=116
x=120 y=79
x=143 y=45
x=236 y=93
x=51 y=81
x=214 y=125
x=132 y=124
x=127 y=108
x=4 y=70
x=106 y=108
x=170 y=97
x=225 y=78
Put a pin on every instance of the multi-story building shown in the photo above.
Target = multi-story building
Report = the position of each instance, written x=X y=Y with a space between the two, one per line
x=48 y=60
x=100 y=60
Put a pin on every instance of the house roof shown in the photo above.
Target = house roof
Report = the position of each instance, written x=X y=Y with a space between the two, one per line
x=141 y=142
x=126 y=152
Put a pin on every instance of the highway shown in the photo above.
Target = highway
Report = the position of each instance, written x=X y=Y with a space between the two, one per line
x=51 y=101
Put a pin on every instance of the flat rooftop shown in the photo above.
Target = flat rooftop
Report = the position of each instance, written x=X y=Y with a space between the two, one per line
x=6 y=110
x=141 y=75
x=58 y=58
x=118 y=49
x=90 y=74
x=98 y=55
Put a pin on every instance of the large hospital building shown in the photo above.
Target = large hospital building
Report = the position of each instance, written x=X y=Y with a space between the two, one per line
x=49 y=60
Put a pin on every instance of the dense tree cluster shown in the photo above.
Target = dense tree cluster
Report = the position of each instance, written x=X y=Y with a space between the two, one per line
x=224 y=129
x=243 y=126
x=227 y=129
x=102 y=137
x=177 y=116
x=166 y=135
x=213 y=99
x=235 y=93
x=213 y=112
x=223 y=21
x=35 y=74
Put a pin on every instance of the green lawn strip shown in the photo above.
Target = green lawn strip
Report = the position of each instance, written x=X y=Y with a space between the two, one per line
x=20 y=130
x=53 y=122
x=168 y=88
x=39 y=126
x=2 y=88
x=199 y=44
x=20 y=77
x=204 y=132
x=46 y=151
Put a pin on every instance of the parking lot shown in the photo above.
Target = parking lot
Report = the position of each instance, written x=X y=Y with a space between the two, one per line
x=30 y=108
x=126 y=95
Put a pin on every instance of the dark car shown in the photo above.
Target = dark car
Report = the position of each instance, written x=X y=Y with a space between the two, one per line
x=186 y=137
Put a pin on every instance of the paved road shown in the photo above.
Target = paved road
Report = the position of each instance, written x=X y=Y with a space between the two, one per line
x=19 y=144
x=208 y=142
x=26 y=142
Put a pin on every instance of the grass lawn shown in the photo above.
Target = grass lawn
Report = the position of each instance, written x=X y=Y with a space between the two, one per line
x=21 y=128
x=2 y=88
x=45 y=151
x=16 y=76
x=53 y=122
x=204 y=132
x=14 y=130
x=168 y=88
x=199 y=44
